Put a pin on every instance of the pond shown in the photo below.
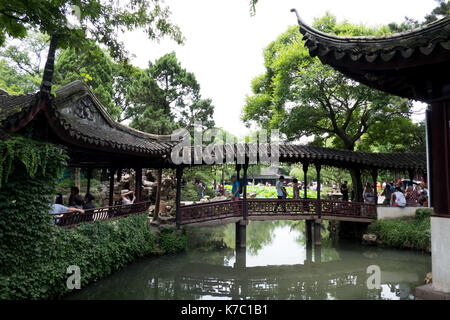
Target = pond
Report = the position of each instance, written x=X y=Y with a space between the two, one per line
x=277 y=264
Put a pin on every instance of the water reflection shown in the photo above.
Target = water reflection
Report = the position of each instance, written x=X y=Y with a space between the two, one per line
x=277 y=264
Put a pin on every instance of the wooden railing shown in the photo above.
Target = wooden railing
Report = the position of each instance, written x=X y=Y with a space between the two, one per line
x=265 y=207
x=210 y=211
x=72 y=219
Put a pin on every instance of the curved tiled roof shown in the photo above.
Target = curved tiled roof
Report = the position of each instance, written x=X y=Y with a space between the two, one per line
x=14 y=108
x=345 y=158
x=294 y=153
x=80 y=114
x=407 y=64
x=423 y=40
x=77 y=116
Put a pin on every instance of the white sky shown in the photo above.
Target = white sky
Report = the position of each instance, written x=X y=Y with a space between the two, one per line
x=224 y=43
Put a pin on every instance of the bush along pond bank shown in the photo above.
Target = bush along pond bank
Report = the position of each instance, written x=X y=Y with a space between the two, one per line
x=403 y=233
x=35 y=254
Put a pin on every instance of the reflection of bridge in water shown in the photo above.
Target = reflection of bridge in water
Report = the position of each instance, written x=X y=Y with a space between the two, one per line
x=240 y=212
x=313 y=279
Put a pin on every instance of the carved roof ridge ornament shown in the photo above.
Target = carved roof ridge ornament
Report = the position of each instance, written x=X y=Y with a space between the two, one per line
x=423 y=38
x=76 y=89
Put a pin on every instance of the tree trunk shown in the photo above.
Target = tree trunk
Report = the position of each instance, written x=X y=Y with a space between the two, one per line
x=357 y=184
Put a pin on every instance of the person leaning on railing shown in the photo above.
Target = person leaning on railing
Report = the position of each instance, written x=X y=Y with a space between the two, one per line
x=57 y=210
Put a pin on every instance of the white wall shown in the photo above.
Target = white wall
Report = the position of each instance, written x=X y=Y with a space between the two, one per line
x=440 y=253
x=395 y=212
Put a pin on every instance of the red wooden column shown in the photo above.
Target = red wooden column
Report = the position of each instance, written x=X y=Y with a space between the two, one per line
x=138 y=184
x=179 y=176
x=374 y=173
x=89 y=176
x=439 y=145
x=244 y=190
x=158 y=195
x=111 y=186
x=308 y=223
x=305 y=173
x=318 y=222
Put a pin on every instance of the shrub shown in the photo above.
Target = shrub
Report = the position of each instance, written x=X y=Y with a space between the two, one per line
x=402 y=233
x=172 y=240
x=423 y=214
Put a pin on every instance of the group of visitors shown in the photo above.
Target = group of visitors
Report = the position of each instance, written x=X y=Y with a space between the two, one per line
x=76 y=202
x=402 y=194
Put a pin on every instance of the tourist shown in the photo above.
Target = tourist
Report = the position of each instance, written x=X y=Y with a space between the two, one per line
x=128 y=197
x=200 y=190
x=281 y=193
x=295 y=189
x=368 y=194
x=56 y=208
x=344 y=191
x=235 y=188
x=387 y=193
x=59 y=199
x=411 y=196
x=74 y=191
x=281 y=190
x=77 y=202
x=423 y=199
x=89 y=201
x=398 y=198
x=392 y=186
x=221 y=189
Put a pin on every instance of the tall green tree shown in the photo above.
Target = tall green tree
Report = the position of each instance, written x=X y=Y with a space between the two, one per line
x=98 y=20
x=442 y=10
x=95 y=67
x=302 y=97
x=167 y=97
x=397 y=135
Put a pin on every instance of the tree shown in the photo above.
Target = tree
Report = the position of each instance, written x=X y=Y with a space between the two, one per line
x=442 y=10
x=99 y=20
x=23 y=62
x=15 y=83
x=302 y=97
x=95 y=67
x=397 y=135
x=166 y=97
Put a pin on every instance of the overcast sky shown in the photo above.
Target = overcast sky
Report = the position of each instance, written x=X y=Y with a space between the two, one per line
x=224 y=43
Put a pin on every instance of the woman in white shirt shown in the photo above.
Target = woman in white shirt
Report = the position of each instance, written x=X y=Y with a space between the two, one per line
x=126 y=197
x=398 y=198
